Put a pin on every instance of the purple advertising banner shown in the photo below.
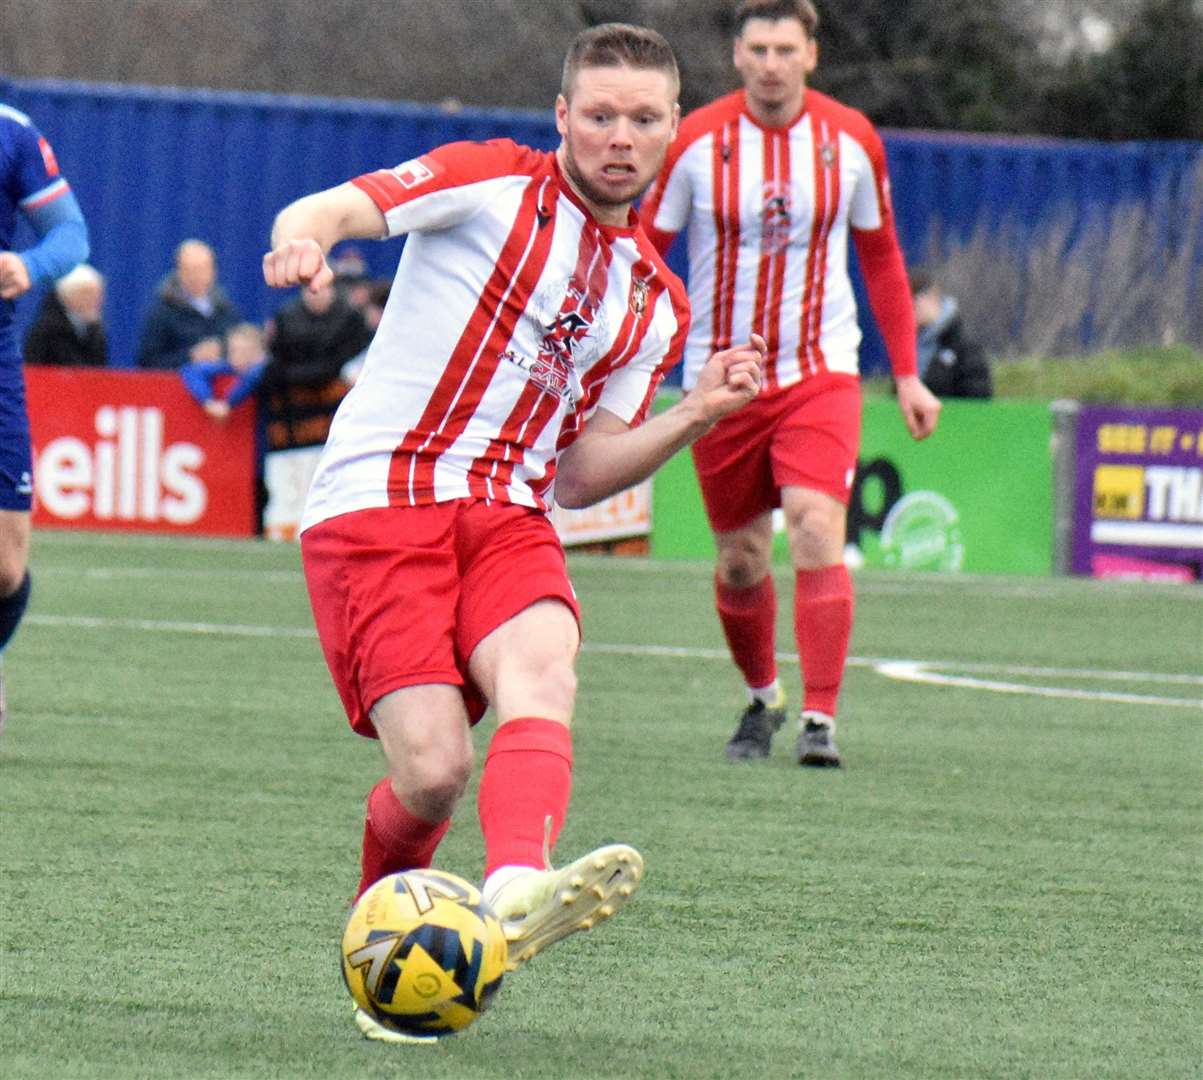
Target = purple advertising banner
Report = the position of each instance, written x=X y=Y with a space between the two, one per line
x=1138 y=493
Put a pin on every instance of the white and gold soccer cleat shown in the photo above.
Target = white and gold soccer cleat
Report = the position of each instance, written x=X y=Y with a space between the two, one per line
x=379 y=1033
x=539 y=907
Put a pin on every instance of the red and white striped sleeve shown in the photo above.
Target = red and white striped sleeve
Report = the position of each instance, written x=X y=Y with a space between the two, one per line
x=445 y=186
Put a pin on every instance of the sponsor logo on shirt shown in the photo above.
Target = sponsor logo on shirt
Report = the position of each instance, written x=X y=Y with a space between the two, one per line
x=412 y=173
x=553 y=368
x=638 y=301
x=775 y=218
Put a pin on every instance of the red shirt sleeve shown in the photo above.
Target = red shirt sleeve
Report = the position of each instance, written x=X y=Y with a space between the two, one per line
x=889 y=292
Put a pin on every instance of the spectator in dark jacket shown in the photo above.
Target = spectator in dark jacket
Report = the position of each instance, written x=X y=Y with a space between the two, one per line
x=951 y=365
x=69 y=328
x=191 y=313
x=314 y=337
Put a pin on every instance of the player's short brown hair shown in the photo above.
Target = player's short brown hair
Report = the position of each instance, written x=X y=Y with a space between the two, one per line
x=618 y=45
x=802 y=10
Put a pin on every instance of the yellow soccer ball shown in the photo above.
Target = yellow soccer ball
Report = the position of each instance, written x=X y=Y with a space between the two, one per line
x=422 y=953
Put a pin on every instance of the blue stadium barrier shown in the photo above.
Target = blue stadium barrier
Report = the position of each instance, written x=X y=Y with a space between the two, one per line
x=152 y=167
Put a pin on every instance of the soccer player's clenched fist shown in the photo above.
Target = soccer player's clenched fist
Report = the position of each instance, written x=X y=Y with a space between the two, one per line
x=731 y=378
x=297 y=262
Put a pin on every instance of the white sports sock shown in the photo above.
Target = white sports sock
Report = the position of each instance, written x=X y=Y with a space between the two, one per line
x=815 y=717
x=500 y=878
x=770 y=694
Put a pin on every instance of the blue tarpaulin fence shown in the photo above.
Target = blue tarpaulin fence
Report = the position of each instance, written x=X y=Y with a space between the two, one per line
x=152 y=167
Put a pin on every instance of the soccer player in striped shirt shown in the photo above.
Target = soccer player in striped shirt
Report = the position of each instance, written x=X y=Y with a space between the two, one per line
x=527 y=329
x=770 y=183
x=33 y=188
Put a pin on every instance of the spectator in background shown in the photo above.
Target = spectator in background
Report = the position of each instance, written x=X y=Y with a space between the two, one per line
x=373 y=309
x=69 y=328
x=191 y=313
x=352 y=280
x=950 y=364
x=315 y=335
x=220 y=386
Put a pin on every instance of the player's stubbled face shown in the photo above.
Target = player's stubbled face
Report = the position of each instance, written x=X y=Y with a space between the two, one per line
x=774 y=57
x=616 y=131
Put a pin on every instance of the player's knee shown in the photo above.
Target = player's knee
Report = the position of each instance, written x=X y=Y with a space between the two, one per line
x=433 y=783
x=741 y=575
x=12 y=574
x=557 y=685
x=742 y=565
x=815 y=535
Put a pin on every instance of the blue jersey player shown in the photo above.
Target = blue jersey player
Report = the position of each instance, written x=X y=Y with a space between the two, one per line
x=30 y=187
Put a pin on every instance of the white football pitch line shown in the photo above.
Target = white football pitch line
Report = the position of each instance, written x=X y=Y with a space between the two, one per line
x=919 y=671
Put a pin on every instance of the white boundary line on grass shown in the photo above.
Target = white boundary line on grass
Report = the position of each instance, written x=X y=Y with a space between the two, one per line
x=919 y=671
x=95 y=622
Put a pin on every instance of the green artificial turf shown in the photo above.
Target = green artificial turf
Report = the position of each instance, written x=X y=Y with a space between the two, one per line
x=1001 y=883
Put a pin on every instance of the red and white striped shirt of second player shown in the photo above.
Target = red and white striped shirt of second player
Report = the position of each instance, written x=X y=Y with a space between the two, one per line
x=769 y=212
x=514 y=314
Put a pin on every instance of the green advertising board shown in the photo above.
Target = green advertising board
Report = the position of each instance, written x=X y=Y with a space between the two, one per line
x=977 y=497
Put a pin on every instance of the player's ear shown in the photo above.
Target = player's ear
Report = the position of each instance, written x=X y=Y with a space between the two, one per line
x=561 y=114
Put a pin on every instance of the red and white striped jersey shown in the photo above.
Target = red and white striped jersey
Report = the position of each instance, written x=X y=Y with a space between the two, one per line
x=768 y=212
x=514 y=315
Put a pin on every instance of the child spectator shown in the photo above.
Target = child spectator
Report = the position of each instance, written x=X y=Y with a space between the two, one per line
x=244 y=364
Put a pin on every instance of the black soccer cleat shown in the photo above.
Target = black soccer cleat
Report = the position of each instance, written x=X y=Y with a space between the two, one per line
x=754 y=735
x=816 y=746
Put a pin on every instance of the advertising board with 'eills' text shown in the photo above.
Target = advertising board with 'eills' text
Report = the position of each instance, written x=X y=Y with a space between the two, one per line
x=133 y=451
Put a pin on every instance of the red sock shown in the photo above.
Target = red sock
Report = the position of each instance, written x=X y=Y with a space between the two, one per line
x=394 y=839
x=823 y=624
x=749 y=618
x=527 y=775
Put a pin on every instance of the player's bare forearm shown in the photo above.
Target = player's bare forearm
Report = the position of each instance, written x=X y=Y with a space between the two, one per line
x=919 y=406
x=608 y=456
x=305 y=230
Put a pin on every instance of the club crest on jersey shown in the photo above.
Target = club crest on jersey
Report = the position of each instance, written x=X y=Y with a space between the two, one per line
x=638 y=301
x=412 y=173
x=827 y=154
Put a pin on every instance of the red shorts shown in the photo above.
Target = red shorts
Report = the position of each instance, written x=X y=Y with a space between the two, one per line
x=402 y=595
x=807 y=435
